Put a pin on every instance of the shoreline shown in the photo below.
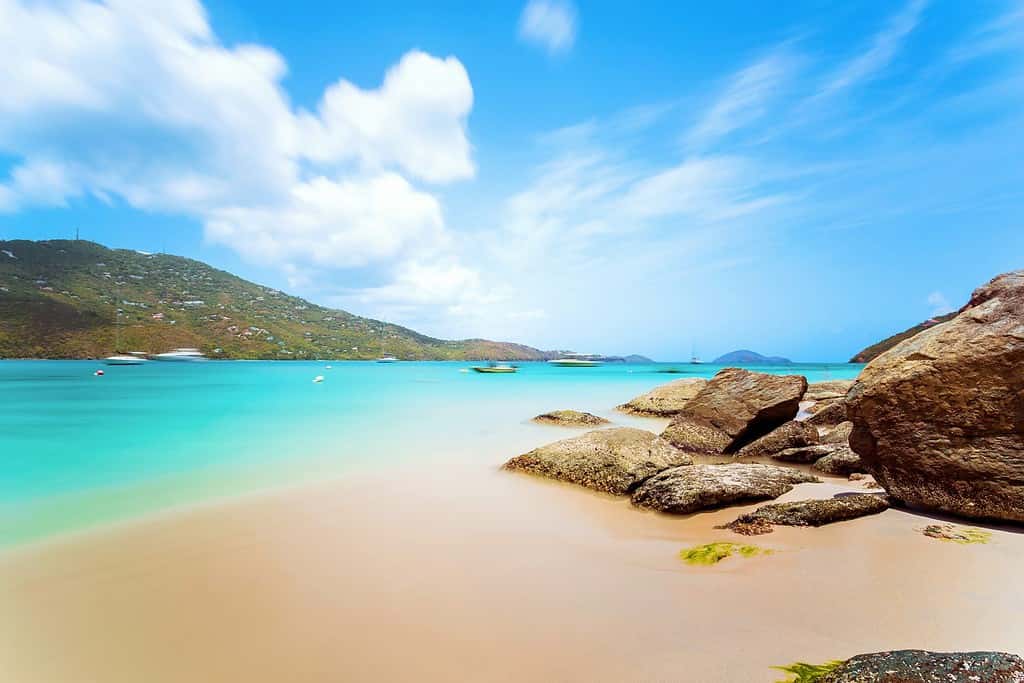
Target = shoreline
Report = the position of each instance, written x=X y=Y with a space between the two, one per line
x=467 y=570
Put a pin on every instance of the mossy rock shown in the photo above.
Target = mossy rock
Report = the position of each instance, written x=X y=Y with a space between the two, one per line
x=802 y=672
x=713 y=553
x=961 y=535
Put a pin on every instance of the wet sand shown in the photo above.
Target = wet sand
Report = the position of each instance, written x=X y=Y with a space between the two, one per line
x=462 y=572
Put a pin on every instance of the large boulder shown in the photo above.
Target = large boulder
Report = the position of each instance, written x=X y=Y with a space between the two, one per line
x=829 y=414
x=681 y=490
x=828 y=390
x=839 y=434
x=570 y=418
x=665 y=400
x=610 y=460
x=842 y=462
x=792 y=434
x=921 y=666
x=739 y=406
x=808 y=513
x=939 y=418
x=804 y=454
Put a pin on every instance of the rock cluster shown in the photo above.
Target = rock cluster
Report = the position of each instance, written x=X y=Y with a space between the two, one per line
x=571 y=418
x=682 y=490
x=921 y=666
x=735 y=408
x=808 y=513
x=609 y=460
x=665 y=400
x=792 y=434
x=939 y=418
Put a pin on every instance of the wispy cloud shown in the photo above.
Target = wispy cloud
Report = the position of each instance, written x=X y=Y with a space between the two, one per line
x=746 y=98
x=884 y=47
x=940 y=305
x=550 y=24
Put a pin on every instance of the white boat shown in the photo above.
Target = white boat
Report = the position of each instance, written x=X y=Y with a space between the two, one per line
x=318 y=379
x=387 y=359
x=124 y=359
x=495 y=368
x=181 y=355
x=574 y=363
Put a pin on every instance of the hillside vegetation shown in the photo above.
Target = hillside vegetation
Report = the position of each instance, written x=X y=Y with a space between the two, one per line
x=871 y=352
x=63 y=298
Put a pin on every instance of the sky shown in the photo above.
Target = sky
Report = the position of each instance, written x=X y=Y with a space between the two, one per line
x=800 y=178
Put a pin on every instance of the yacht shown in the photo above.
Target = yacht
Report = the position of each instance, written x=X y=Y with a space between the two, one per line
x=574 y=362
x=124 y=359
x=184 y=354
x=495 y=368
x=388 y=358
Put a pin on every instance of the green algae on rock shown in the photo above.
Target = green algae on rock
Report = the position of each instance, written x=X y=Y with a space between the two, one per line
x=961 y=535
x=713 y=553
x=802 y=672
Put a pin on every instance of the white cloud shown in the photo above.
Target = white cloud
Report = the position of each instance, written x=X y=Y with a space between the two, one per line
x=746 y=98
x=550 y=24
x=138 y=101
x=940 y=305
x=884 y=47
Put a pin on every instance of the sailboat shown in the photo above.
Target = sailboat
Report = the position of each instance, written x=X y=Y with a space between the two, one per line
x=135 y=358
x=385 y=357
x=694 y=359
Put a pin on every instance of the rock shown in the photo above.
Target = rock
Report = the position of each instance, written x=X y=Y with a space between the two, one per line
x=665 y=400
x=571 y=418
x=828 y=391
x=808 y=513
x=792 y=434
x=804 y=454
x=611 y=460
x=962 y=535
x=939 y=418
x=839 y=434
x=738 y=406
x=866 y=480
x=841 y=461
x=681 y=490
x=695 y=436
x=920 y=666
x=832 y=413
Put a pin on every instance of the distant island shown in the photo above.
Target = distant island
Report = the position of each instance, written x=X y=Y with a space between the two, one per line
x=875 y=350
x=747 y=357
x=79 y=299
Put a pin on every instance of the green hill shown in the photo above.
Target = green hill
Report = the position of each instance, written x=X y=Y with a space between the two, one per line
x=62 y=298
x=868 y=354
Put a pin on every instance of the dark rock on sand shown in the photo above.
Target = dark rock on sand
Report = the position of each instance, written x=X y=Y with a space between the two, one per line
x=571 y=418
x=610 y=460
x=804 y=454
x=735 y=408
x=841 y=461
x=832 y=413
x=665 y=400
x=792 y=434
x=939 y=418
x=681 y=490
x=808 y=513
x=920 y=666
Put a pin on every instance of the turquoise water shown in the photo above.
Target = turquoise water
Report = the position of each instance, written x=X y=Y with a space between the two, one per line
x=78 y=450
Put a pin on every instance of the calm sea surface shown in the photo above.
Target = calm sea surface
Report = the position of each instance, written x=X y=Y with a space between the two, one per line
x=78 y=450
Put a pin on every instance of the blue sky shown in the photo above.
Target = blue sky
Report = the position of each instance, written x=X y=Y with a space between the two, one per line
x=646 y=178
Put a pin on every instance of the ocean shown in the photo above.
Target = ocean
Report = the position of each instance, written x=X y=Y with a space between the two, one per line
x=79 y=450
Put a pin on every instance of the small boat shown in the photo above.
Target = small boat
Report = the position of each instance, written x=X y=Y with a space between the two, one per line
x=181 y=355
x=98 y=373
x=318 y=379
x=387 y=359
x=574 y=363
x=124 y=359
x=495 y=368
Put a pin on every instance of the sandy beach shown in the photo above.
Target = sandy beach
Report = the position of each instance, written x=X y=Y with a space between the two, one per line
x=464 y=571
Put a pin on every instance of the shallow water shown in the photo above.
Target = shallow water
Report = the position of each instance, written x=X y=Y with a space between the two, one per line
x=77 y=450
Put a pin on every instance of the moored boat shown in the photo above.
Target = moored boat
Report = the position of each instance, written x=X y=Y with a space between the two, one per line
x=495 y=368
x=181 y=355
x=124 y=359
x=574 y=363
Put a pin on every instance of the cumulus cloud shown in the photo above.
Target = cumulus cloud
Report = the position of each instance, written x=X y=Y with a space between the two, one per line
x=139 y=101
x=550 y=24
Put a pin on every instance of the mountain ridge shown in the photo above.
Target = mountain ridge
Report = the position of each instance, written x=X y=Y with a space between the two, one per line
x=748 y=357
x=61 y=298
